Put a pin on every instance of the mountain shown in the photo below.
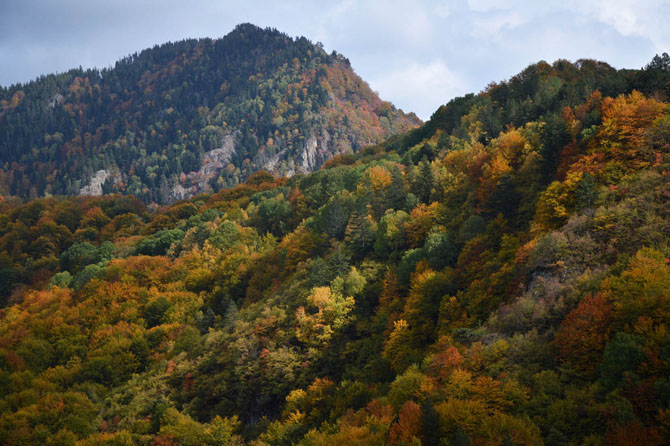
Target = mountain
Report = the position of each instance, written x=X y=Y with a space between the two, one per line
x=188 y=117
x=497 y=276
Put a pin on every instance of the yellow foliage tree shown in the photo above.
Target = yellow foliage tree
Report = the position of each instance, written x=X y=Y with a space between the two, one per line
x=327 y=312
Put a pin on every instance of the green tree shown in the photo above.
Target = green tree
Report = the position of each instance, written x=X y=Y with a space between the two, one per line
x=621 y=358
x=359 y=234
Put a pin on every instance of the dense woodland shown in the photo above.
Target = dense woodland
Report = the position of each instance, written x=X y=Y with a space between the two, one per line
x=498 y=276
x=153 y=118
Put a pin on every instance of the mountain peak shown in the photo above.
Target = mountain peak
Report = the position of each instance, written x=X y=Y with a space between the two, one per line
x=189 y=117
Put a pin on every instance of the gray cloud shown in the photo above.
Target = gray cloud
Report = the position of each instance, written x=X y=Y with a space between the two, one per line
x=417 y=54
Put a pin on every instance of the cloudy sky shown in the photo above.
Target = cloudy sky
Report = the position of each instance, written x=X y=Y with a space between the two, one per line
x=417 y=54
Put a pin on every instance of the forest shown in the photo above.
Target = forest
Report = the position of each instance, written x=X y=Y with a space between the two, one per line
x=498 y=276
x=158 y=122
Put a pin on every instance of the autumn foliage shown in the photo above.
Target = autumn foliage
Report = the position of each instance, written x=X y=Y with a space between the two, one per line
x=499 y=276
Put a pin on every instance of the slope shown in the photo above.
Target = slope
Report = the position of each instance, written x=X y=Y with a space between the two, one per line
x=440 y=288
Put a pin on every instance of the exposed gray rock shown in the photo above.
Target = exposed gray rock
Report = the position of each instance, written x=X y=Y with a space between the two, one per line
x=57 y=99
x=94 y=188
x=212 y=163
x=272 y=163
x=178 y=192
x=309 y=154
x=216 y=159
x=316 y=151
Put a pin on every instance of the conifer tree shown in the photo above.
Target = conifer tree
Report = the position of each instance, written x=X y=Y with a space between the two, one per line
x=358 y=234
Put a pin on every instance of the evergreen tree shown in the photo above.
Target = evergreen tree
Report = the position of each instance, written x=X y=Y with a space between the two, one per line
x=424 y=181
x=359 y=236
x=397 y=194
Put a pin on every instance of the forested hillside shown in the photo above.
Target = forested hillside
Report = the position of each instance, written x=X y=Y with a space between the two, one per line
x=188 y=117
x=498 y=276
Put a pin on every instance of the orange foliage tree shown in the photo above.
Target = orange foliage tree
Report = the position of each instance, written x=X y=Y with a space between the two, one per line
x=584 y=333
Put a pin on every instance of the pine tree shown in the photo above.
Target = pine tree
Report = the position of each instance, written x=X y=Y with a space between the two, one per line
x=396 y=193
x=424 y=182
x=358 y=234
x=163 y=190
x=232 y=315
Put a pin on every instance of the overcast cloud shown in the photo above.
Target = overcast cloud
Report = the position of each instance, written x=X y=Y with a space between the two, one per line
x=417 y=54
